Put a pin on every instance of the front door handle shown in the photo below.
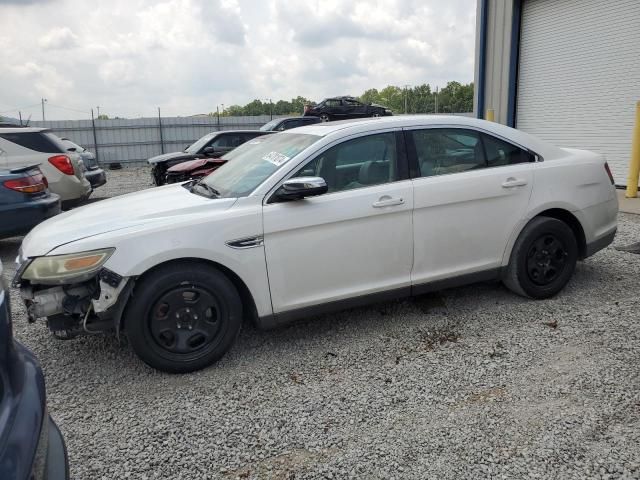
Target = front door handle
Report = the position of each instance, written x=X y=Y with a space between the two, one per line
x=387 y=201
x=514 y=182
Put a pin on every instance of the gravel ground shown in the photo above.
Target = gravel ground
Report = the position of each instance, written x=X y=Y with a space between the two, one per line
x=472 y=383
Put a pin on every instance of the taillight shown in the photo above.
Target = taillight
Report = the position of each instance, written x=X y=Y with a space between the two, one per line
x=62 y=163
x=608 y=170
x=33 y=183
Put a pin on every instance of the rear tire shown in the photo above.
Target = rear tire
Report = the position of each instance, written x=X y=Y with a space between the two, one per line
x=543 y=259
x=183 y=317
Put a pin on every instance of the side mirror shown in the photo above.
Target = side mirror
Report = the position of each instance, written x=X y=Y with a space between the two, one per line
x=301 y=187
x=209 y=150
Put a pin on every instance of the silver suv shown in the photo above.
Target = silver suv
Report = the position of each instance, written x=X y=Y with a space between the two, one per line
x=64 y=170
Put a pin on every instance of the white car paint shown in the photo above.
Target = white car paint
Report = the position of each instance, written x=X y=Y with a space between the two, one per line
x=343 y=244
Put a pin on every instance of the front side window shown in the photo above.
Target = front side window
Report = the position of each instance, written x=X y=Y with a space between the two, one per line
x=333 y=103
x=356 y=163
x=441 y=151
x=256 y=160
x=353 y=103
x=501 y=153
x=200 y=143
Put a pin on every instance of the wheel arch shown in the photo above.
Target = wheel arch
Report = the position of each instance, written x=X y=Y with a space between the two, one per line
x=248 y=302
x=559 y=213
x=572 y=221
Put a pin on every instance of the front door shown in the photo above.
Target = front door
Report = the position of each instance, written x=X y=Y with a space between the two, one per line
x=354 y=240
x=471 y=192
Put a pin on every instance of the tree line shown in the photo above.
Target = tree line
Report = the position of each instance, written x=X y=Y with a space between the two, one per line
x=454 y=98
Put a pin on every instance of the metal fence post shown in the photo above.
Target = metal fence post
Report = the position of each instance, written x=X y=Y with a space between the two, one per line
x=95 y=137
x=160 y=128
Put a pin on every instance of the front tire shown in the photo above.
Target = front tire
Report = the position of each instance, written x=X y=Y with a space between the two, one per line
x=324 y=117
x=183 y=317
x=543 y=259
x=159 y=172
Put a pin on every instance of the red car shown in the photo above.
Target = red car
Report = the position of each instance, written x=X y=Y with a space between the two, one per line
x=193 y=169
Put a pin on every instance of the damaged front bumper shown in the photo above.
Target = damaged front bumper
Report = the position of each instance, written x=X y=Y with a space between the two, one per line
x=90 y=306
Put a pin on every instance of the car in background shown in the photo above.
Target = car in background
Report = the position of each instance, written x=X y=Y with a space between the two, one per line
x=25 y=200
x=23 y=146
x=212 y=145
x=287 y=123
x=193 y=169
x=343 y=108
x=314 y=219
x=31 y=445
x=93 y=173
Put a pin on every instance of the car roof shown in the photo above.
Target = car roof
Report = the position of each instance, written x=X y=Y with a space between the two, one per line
x=345 y=128
x=18 y=129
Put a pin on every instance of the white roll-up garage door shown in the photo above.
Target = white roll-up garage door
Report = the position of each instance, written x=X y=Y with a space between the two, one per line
x=579 y=75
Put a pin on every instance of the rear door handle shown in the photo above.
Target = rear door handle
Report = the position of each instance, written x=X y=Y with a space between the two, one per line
x=514 y=182
x=387 y=201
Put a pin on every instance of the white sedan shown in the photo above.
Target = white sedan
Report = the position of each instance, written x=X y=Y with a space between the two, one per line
x=315 y=219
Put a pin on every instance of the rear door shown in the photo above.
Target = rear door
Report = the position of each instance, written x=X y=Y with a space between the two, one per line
x=334 y=108
x=354 y=109
x=471 y=190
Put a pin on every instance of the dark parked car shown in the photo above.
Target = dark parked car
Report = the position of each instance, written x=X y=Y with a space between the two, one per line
x=96 y=175
x=212 y=145
x=281 y=124
x=31 y=445
x=25 y=200
x=343 y=108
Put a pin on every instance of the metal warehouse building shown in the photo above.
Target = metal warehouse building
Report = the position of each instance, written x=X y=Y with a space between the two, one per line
x=567 y=71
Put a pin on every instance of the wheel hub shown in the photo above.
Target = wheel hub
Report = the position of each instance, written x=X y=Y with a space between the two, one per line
x=185 y=320
x=546 y=259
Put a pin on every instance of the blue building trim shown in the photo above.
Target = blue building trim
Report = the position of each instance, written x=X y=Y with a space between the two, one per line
x=482 y=57
x=514 y=61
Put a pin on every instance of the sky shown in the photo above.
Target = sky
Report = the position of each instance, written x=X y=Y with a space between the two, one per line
x=188 y=56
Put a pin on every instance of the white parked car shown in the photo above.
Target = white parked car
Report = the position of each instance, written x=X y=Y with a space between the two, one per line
x=314 y=219
x=23 y=146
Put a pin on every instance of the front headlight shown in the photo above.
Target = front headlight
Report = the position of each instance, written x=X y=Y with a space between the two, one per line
x=57 y=268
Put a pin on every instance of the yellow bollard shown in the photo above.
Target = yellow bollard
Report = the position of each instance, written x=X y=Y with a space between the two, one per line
x=490 y=115
x=634 y=164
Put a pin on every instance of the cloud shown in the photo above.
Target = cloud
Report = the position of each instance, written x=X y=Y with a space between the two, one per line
x=58 y=38
x=187 y=56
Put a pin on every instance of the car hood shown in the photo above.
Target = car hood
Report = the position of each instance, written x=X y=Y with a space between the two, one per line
x=170 y=156
x=163 y=204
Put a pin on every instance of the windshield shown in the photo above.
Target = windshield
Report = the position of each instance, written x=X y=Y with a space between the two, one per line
x=253 y=162
x=198 y=144
x=267 y=127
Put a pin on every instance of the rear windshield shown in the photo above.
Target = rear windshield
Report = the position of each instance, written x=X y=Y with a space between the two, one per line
x=45 y=142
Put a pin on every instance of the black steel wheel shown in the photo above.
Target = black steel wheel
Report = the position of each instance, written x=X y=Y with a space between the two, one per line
x=546 y=259
x=543 y=258
x=183 y=317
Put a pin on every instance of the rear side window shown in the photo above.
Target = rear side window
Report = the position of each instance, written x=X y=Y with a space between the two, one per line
x=38 y=141
x=501 y=153
x=442 y=151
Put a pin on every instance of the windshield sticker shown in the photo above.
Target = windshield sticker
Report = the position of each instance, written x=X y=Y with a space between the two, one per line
x=276 y=158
